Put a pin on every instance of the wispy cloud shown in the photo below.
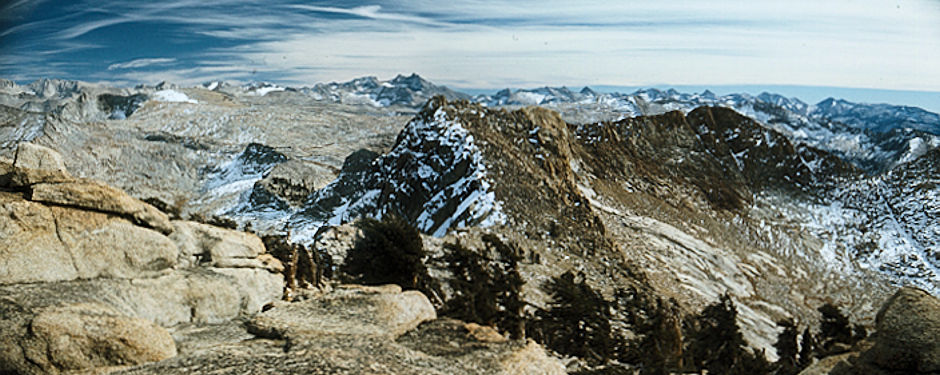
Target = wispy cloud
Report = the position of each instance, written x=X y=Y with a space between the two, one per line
x=13 y=9
x=141 y=63
x=371 y=12
x=87 y=27
x=855 y=43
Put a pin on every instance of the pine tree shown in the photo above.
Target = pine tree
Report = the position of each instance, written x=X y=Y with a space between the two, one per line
x=714 y=338
x=474 y=297
x=660 y=348
x=716 y=343
x=487 y=291
x=807 y=349
x=578 y=322
x=389 y=252
x=786 y=347
x=508 y=282
x=834 y=329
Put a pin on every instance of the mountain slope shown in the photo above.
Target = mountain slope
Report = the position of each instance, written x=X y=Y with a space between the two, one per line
x=682 y=199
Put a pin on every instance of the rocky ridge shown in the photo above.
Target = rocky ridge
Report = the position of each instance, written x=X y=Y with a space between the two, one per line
x=617 y=191
x=120 y=284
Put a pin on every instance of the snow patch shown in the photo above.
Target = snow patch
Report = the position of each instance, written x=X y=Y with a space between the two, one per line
x=172 y=96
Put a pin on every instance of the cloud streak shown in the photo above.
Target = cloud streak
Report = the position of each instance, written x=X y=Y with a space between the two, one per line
x=141 y=63
x=849 y=43
x=371 y=12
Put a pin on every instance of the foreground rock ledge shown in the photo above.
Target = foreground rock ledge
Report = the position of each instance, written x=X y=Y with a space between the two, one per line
x=92 y=279
x=361 y=330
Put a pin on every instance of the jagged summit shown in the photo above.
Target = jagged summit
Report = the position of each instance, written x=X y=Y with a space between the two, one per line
x=413 y=82
x=403 y=91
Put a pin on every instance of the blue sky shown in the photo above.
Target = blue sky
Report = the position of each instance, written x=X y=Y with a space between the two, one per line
x=885 y=50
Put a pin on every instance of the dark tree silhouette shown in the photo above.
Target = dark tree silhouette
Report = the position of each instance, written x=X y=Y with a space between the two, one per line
x=807 y=349
x=660 y=349
x=716 y=343
x=508 y=282
x=389 y=252
x=787 y=348
x=578 y=322
x=834 y=329
x=474 y=298
x=487 y=291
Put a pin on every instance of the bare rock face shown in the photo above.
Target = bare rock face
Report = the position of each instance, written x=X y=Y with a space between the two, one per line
x=219 y=247
x=6 y=171
x=294 y=180
x=98 y=319
x=456 y=341
x=99 y=197
x=48 y=243
x=908 y=333
x=34 y=164
x=361 y=330
x=80 y=336
x=366 y=311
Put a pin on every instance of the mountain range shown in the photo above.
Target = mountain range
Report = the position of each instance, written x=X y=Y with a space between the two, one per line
x=780 y=204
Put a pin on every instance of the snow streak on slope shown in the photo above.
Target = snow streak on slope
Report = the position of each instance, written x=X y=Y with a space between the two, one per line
x=229 y=184
x=435 y=177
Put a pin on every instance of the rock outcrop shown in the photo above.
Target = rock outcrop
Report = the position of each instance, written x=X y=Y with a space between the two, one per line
x=95 y=196
x=361 y=330
x=82 y=336
x=220 y=247
x=908 y=333
x=35 y=164
x=363 y=311
x=906 y=340
x=90 y=279
x=50 y=243
x=294 y=180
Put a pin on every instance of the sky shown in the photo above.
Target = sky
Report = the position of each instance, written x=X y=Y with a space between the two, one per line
x=872 y=50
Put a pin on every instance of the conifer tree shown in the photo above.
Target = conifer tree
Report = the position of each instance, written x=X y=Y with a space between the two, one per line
x=578 y=322
x=389 y=252
x=487 y=291
x=474 y=298
x=716 y=343
x=807 y=349
x=508 y=282
x=660 y=348
x=834 y=329
x=787 y=349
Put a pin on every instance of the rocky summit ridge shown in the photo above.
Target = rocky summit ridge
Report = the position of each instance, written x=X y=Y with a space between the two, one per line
x=148 y=207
